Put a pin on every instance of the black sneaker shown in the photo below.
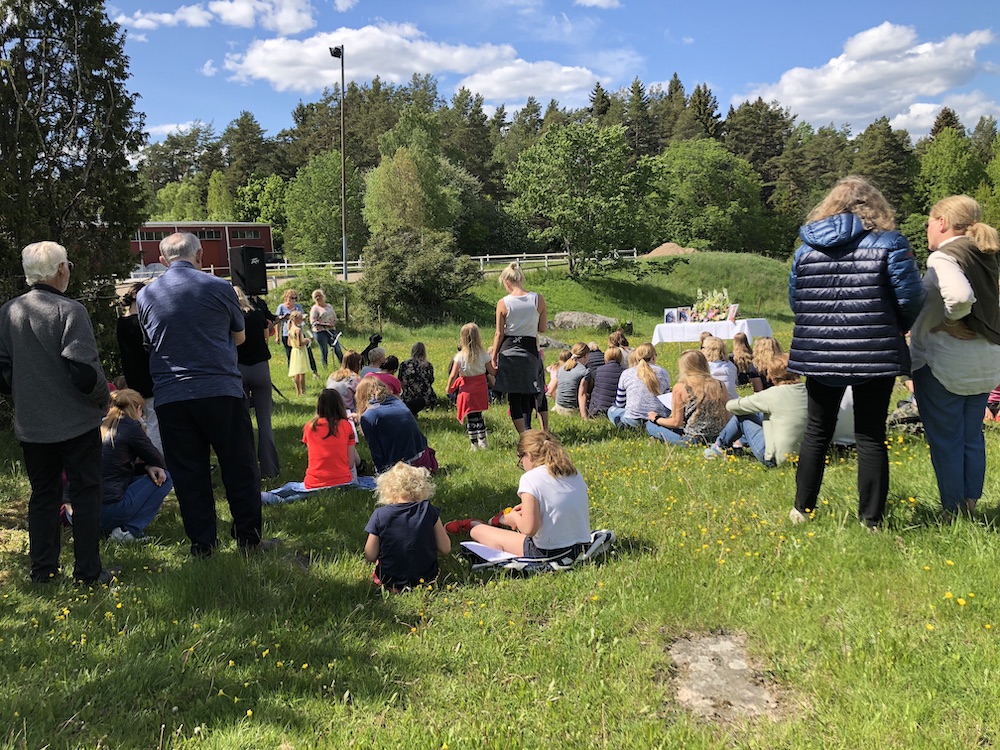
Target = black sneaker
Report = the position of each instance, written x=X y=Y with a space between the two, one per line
x=104 y=578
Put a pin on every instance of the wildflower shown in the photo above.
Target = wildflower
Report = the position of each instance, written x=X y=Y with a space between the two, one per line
x=929 y=626
x=949 y=562
x=947 y=595
x=249 y=713
x=961 y=602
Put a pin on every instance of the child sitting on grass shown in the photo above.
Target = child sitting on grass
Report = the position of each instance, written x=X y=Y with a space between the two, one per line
x=405 y=534
x=553 y=517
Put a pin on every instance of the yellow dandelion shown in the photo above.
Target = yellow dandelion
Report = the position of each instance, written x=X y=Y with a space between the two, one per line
x=929 y=626
x=988 y=626
x=305 y=666
x=249 y=713
x=961 y=602
x=947 y=595
x=949 y=562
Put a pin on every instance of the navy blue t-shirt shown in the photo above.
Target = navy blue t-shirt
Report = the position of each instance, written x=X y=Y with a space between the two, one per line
x=407 y=550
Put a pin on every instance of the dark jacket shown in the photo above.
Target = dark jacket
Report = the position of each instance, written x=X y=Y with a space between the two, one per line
x=605 y=380
x=119 y=456
x=854 y=294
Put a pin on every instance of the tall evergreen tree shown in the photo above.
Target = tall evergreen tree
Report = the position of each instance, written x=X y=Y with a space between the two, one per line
x=948 y=167
x=639 y=126
x=666 y=108
x=68 y=126
x=947 y=118
x=887 y=158
x=525 y=130
x=700 y=119
x=983 y=137
x=757 y=131
x=246 y=150
x=600 y=103
x=555 y=117
x=812 y=161
x=466 y=137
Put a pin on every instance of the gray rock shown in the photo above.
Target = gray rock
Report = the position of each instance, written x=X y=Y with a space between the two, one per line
x=585 y=320
x=547 y=342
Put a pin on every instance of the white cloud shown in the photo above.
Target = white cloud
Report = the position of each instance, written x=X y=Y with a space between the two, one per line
x=543 y=80
x=883 y=71
x=919 y=117
x=687 y=40
x=281 y=16
x=162 y=130
x=209 y=69
x=598 y=3
x=392 y=51
x=617 y=64
x=345 y=5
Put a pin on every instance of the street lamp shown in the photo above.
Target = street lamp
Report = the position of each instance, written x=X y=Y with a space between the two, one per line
x=338 y=51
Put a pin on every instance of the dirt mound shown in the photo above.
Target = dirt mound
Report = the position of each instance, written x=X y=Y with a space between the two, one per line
x=668 y=248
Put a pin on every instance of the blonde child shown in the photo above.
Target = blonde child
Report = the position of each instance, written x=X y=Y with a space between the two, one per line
x=298 y=363
x=721 y=368
x=470 y=373
x=553 y=517
x=405 y=534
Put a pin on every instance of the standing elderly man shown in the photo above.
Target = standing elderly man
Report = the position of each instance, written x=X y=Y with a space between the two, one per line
x=50 y=365
x=194 y=323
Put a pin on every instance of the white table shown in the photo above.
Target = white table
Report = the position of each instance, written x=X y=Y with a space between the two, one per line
x=752 y=327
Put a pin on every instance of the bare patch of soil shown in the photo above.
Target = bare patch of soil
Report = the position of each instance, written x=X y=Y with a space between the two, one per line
x=668 y=248
x=715 y=680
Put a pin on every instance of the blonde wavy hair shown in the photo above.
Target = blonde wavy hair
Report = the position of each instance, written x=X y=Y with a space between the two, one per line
x=546 y=450
x=714 y=349
x=742 y=353
x=779 y=374
x=369 y=389
x=577 y=354
x=765 y=350
x=124 y=403
x=404 y=484
x=855 y=195
x=963 y=215
x=693 y=371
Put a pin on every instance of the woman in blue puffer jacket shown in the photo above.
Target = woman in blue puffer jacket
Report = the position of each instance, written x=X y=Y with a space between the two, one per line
x=855 y=291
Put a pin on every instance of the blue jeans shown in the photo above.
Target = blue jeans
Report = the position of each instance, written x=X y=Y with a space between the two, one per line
x=325 y=340
x=666 y=434
x=751 y=428
x=617 y=416
x=138 y=506
x=954 y=428
x=292 y=491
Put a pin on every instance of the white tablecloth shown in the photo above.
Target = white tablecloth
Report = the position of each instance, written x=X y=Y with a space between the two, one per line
x=667 y=332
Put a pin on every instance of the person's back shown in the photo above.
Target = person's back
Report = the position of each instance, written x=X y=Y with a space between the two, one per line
x=568 y=387
x=725 y=372
x=602 y=396
x=188 y=316
x=392 y=433
x=408 y=555
x=784 y=408
x=328 y=463
x=522 y=314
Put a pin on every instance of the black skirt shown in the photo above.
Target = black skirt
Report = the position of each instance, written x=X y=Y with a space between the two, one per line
x=519 y=368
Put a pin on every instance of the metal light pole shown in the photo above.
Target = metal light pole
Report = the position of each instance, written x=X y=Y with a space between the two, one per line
x=338 y=51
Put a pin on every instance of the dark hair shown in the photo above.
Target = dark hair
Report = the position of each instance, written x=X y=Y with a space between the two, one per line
x=329 y=406
x=133 y=291
x=391 y=364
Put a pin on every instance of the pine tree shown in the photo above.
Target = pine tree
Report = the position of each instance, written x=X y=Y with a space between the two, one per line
x=757 y=131
x=947 y=118
x=639 y=126
x=666 y=108
x=700 y=119
x=886 y=157
x=600 y=103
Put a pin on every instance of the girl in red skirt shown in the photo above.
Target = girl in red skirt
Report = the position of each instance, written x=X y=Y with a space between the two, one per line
x=469 y=372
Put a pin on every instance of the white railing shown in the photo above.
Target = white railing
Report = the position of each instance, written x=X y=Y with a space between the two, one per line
x=487 y=263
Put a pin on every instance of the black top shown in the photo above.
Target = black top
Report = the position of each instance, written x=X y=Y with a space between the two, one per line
x=254 y=349
x=119 y=457
x=134 y=355
x=407 y=550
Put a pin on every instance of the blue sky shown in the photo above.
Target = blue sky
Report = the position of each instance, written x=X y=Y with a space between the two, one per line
x=846 y=63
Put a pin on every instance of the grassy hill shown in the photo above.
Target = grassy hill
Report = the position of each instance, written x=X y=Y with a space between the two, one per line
x=867 y=640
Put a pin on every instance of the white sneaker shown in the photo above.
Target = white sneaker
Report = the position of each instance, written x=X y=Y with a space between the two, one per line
x=123 y=535
x=483 y=445
x=796 y=516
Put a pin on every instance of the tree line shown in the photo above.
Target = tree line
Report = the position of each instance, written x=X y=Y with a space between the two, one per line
x=432 y=180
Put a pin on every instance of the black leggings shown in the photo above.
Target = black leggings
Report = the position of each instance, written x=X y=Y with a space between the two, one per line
x=522 y=404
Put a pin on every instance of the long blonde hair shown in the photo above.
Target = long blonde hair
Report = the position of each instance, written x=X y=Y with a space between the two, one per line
x=742 y=354
x=714 y=349
x=963 y=215
x=124 y=403
x=645 y=357
x=694 y=372
x=546 y=450
x=350 y=367
x=765 y=349
x=471 y=344
x=242 y=298
x=855 y=195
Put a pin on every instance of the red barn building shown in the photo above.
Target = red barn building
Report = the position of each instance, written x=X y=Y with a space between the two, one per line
x=217 y=238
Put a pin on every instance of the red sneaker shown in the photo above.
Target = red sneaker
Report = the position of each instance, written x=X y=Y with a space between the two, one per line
x=495 y=521
x=457 y=527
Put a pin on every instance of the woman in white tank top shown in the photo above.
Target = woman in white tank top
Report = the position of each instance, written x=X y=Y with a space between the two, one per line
x=520 y=317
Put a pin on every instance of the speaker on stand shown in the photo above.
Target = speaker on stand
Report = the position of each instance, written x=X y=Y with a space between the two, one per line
x=248 y=269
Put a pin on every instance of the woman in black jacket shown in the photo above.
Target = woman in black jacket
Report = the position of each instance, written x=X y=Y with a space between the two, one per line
x=133 y=479
x=855 y=291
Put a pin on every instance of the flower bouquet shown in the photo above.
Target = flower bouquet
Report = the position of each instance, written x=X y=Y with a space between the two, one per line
x=711 y=307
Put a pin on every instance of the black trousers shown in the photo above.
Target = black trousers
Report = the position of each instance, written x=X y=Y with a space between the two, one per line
x=190 y=430
x=871 y=405
x=44 y=463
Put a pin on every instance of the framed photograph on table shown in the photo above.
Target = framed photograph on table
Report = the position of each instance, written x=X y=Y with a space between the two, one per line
x=683 y=314
x=670 y=315
x=731 y=315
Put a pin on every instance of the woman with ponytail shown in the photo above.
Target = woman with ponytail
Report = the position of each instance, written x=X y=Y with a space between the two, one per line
x=955 y=347
x=553 y=517
x=638 y=389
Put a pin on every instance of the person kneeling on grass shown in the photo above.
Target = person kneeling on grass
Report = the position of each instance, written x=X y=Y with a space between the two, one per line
x=553 y=517
x=130 y=501
x=405 y=534
x=390 y=428
x=772 y=422
x=333 y=461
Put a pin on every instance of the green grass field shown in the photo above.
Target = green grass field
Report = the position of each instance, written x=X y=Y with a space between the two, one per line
x=868 y=640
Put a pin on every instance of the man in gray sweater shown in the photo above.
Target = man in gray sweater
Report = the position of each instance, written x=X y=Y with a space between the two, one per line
x=50 y=366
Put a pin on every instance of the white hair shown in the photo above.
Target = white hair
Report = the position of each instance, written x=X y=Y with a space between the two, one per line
x=183 y=245
x=41 y=260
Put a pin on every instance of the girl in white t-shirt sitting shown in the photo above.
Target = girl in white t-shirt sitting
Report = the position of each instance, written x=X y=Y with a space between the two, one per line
x=553 y=517
x=471 y=372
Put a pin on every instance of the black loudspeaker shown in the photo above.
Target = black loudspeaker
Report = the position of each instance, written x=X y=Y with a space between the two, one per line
x=248 y=269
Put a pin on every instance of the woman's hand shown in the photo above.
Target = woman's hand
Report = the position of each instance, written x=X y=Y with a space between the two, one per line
x=652 y=416
x=158 y=475
x=956 y=329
